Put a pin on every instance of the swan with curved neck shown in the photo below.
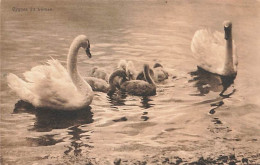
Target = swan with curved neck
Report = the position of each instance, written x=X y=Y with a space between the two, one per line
x=52 y=86
x=133 y=87
x=78 y=42
x=216 y=52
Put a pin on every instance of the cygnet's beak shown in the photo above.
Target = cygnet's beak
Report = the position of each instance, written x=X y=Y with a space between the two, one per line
x=88 y=52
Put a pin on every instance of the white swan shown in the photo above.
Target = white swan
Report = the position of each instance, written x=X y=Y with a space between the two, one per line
x=52 y=86
x=215 y=53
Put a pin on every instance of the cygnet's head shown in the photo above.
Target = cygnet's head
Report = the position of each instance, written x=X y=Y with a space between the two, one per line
x=227 y=29
x=122 y=65
x=130 y=70
x=93 y=70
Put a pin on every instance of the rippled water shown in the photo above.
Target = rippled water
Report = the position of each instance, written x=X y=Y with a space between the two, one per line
x=185 y=121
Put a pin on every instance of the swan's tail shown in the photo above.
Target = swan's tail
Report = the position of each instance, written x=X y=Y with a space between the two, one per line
x=21 y=88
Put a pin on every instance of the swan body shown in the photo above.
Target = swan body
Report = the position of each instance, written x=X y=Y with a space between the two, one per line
x=52 y=86
x=134 y=87
x=215 y=53
x=158 y=73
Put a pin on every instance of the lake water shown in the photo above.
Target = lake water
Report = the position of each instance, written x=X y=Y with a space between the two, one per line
x=185 y=122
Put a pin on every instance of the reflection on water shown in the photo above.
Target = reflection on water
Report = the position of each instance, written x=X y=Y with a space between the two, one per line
x=45 y=140
x=76 y=142
x=146 y=102
x=47 y=119
x=117 y=99
x=206 y=82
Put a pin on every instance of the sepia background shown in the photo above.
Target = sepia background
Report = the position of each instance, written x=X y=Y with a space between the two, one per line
x=185 y=122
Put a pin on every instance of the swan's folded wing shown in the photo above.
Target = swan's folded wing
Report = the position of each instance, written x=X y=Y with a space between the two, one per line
x=208 y=49
x=22 y=88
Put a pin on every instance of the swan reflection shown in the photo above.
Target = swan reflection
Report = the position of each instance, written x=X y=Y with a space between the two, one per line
x=48 y=119
x=77 y=143
x=45 y=140
x=146 y=102
x=206 y=82
x=119 y=99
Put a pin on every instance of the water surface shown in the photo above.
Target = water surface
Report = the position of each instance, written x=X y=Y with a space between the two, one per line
x=184 y=122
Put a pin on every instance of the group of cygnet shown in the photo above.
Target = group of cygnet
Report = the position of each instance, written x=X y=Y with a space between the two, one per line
x=127 y=79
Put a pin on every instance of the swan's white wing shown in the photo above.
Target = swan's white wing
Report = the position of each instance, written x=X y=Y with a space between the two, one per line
x=209 y=49
x=61 y=90
x=22 y=88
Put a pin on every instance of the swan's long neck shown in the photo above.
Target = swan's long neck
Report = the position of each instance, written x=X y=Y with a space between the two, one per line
x=81 y=85
x=72 y=62
x=147 y=75
x=228 y=67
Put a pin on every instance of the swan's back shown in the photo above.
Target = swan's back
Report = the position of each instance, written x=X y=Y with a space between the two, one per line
x=48 y=86
x=209 y=50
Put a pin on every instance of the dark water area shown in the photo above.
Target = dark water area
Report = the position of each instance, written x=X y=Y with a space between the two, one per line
x=186 y=122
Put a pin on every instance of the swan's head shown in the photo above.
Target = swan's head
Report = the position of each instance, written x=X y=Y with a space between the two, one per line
x=83 y=42
x=227 y=28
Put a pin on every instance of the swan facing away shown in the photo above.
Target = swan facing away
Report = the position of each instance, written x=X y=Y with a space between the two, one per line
x=133 y=87
x=52 y=86
x=216 y=52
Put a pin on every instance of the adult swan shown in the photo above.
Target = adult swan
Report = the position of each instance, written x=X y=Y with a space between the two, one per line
x=52 y=86
x=214 y=53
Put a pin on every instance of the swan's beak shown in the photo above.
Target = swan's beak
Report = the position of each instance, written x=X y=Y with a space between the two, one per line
x=226 y=35
x=88 y=53
x=227 y=30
